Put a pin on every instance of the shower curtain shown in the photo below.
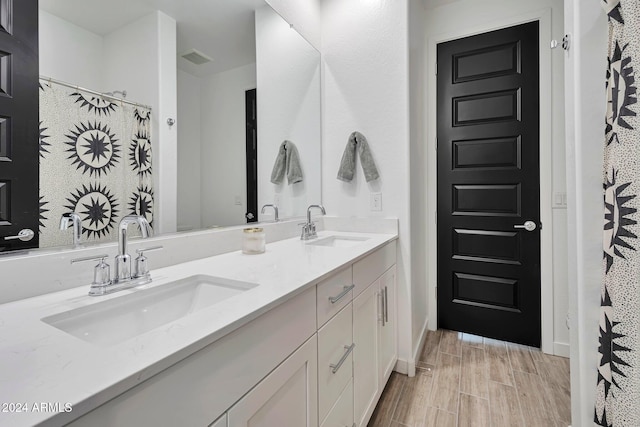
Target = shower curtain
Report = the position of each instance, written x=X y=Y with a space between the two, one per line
x=618 y=384
x=95 y=160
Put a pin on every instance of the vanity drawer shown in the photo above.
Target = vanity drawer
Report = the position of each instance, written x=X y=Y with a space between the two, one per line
x=333 y=295
x=335 y=359
x=341 y=415
x=369 y=268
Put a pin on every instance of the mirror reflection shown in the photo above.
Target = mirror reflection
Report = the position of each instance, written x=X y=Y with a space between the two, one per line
x=199 y=100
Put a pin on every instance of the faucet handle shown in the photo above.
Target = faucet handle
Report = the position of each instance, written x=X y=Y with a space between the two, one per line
x=141 y=251
x=90 y=258
x=101 y=272
x=141 y=269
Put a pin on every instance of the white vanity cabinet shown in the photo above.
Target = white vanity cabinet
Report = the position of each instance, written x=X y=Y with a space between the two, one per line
x=319 y=359
x=374 y=330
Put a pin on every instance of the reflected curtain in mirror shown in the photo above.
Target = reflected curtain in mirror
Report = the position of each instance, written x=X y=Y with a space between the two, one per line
x=95 y=160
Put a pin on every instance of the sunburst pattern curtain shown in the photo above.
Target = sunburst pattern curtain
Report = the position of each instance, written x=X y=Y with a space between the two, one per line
x=618 y=389
x=95 y=160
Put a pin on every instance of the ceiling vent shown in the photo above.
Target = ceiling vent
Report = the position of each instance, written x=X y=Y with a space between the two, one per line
x=196 y=57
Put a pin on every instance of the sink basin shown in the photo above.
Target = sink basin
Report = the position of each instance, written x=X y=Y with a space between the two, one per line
x=339 y=241
x=119 y=319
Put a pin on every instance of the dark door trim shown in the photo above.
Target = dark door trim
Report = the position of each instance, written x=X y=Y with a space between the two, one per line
x=546 y=187
x=251 y=115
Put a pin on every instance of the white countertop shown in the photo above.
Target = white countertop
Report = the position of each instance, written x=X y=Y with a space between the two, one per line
x=42 y=364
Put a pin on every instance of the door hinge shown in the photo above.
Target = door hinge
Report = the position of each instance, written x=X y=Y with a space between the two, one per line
x=566 y=42
x=436 y=144
x=436 y=68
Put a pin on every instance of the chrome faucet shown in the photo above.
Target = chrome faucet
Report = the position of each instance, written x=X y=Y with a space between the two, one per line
x=72 y=218
x=275 y=210
x=123 y=260
x=102 y=283
x=309 y=228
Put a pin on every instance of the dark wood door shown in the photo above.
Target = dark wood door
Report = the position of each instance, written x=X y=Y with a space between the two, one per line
x=19 y=144
x=251 y=112
x=489 y=185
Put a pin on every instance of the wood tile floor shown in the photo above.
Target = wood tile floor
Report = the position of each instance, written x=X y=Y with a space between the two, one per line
x=466 y=380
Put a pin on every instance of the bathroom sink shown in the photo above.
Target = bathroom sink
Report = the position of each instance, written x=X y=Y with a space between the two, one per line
x=119 y=319
x=339 y=241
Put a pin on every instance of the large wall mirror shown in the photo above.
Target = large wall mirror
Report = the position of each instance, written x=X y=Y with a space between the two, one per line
x=215 y=91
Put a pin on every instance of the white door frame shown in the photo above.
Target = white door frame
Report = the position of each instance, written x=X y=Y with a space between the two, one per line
x=546 y=184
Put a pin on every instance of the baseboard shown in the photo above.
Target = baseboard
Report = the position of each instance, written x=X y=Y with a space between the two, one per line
x=418 y=349
x=561 y=349
x=408 y=367
x=402 y=367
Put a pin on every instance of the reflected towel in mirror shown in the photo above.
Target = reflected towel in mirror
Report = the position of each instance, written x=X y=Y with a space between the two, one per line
x=348 y=162
x=287 y=162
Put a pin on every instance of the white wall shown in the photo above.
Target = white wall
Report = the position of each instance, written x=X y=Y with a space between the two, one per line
x=223 y=150
x=141 y=58
x=366 y=88
x=304 y=15
x=70 y=53
x=418 y=179
x=189 y=151
x=288 y=109
x=468 y=17
x=585 y=106
x=166 y=174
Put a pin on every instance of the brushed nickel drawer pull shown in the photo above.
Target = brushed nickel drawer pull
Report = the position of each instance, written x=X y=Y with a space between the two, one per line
x=386 y=306
x=349 y=348
x=345 y=291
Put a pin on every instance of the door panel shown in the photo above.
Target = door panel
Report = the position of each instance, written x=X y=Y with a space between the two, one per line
x=388 y=330
x=19 y=158
x=488 y=153
x=366 y=366
x=486 y=108
x=492 y=61
x=487 y=246
x=488 y=182
x=288 y=396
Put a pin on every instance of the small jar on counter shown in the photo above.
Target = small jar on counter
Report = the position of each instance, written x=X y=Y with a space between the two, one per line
x=253 y=241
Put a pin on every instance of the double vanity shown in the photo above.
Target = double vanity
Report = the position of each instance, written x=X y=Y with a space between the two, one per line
x=301 y=335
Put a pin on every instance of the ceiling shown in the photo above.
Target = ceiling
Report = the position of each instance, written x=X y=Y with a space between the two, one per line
x=221 y=29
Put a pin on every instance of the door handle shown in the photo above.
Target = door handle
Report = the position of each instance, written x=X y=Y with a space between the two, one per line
x=528 y=225
x=25 y=235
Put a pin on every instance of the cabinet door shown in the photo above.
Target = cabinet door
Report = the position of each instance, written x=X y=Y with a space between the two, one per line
x=286 y=397
x=220 y=422
x=366 y=309
x=388 y=349
x=341 y=414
